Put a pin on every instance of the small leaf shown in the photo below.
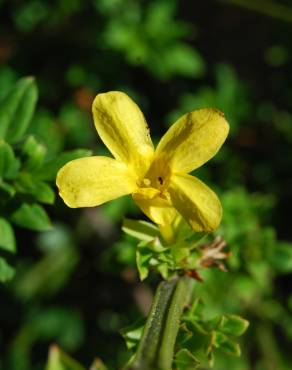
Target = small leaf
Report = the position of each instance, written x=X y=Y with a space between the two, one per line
x=184 y=360
x=59 y=360
x=49 y=170
x=7 y=238
x=34 y=153
x=282 y=257
x=233 y=325
x=143 y=257
x=8 y=163
x=133 y=333
x=141 y=230
x=184 y=60
x=163 y=269
x=44 y=193
x=180 y=252
x=7 y=189
x=38 y=189
x=6 y=271
x=17 y=108
x=225 y=344
x=31 y=216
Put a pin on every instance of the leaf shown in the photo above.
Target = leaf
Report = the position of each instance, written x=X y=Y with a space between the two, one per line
x=34 y=153
x=143 y=257
x=133 y=333
x=7 y=238
x=31 y=216
x=7 y=188
x=141 y=230
x=8 y=163
x=6 y=271
x=282 y=257
x=59 y=360
x=225 y=344
x=44 y=193
x=49 y=170
x=163 y=269
x=184 y=60
x=17 y=108
x=184 y=360
x=233 y=325
x=38 y=189
x=180 y=252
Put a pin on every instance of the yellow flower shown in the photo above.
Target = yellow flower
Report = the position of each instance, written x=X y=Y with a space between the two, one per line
x=157 y=179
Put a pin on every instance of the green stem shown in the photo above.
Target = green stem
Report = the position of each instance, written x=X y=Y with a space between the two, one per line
x=181 y=297
x=156 y=348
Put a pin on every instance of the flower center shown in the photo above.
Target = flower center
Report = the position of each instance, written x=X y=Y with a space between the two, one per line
x=156 y=182
x=157 y=176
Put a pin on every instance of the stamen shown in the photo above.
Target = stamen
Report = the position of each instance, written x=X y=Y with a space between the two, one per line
x=146 y=182
x=160 y=179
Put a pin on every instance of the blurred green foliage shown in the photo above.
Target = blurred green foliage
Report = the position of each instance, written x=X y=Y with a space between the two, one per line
x=134 y=33
x=24 y=170
x=76 y=284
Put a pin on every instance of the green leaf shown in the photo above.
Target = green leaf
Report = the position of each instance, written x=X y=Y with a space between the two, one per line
x=163 y=269
x=143 y=257
x=180 y=252
x=282 y=257
x=17 y=108
x=31 y=216
x=133 y=333
x=7 y=238
x=225 y=344
x=38 y=189
x=49 y=170
x=141 y=230
x=7 y=189
x=233 y=325
x=58 y=360
x=44 y=193
x=8 y=163
x=6 y=271
x=184 y=60
x=34 y=153
x=184 y=360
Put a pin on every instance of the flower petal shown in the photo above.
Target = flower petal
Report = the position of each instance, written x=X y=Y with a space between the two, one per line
x=193 y=139
x=123 y=129
x=158 y=209
x=196 y=202
x=91 y=181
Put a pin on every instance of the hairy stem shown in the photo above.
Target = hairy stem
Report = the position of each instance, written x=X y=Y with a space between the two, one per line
x=181 y=297
x=156 y=348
